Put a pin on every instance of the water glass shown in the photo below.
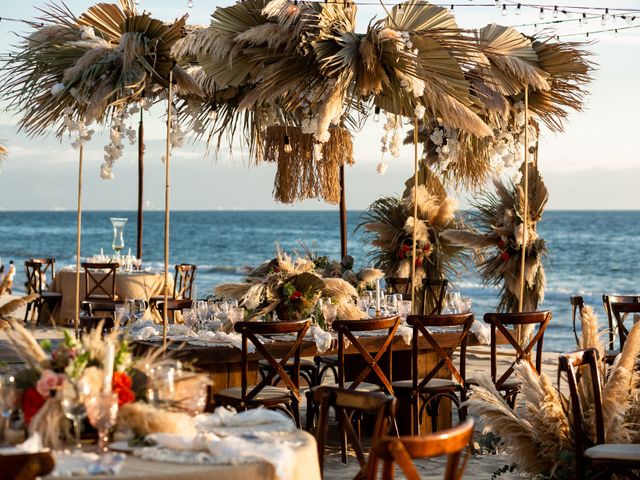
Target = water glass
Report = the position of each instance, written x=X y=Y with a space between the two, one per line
x=138 y=307
x=399 y=298
x=329 y=312
x=235 y=314
x=162 y=388
x=364 y=303
x=189 y=318
x=391 y=303
x=452 y=300
x=121 y=316
x=465 y=305
x=102 y=410
x=73 y=396
x=404 y=309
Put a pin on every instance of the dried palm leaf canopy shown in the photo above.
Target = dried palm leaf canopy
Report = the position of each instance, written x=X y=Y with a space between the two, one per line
x=88 y=68
x=266 y=64
x=555 y=75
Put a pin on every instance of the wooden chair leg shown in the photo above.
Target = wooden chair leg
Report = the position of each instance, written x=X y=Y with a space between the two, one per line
x=387 y=470
x=342 y=419
x=311 y=411
x=295 y=408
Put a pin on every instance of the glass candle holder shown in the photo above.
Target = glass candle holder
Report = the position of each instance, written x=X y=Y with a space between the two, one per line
x=102 y=410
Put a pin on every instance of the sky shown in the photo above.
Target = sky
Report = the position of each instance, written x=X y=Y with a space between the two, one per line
x=593 y=164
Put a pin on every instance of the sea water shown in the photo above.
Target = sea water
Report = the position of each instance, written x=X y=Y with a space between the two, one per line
x=590 y=253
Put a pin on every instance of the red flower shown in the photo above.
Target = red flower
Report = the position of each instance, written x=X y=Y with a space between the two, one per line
x=505 y=256
x=32 y=402
x=501 y=244
x=427 y=249
x=121 y=385
x=297 y=295
x=418 y=262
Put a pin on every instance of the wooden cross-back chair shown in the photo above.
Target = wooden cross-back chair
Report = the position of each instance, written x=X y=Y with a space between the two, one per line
x=593 y=457
x=100 y=281
x=430 y=390
x=344 y=403
x=577 y=304
x=401 y=451
x=264 y=394
x=26 y=466
x=618 y=308
x=434 y=291
x=88 y=324
x=36 y=271
x=400 y=285
x=183 y=282
x=499 y=322
x=174 y=306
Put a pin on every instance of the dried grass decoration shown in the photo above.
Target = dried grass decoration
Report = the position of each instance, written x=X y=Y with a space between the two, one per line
x=309 y=169
x=498 y=218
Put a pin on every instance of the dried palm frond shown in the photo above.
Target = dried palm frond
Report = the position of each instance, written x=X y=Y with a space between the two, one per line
x=591 y=336
x=339 y=289
x=349 y=311
x=8 y=308
x=144 y=419
x=232 y=290
x=25 y=346
x=50 y=422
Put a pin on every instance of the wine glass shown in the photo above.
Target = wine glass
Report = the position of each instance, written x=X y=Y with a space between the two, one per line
x=364 y=303
x=73 y=395
x=121 y=315
x=391 y=303
x=102 y=410
x=162 y=389
x=452 y=300
x=329 y=312
x=138 y=307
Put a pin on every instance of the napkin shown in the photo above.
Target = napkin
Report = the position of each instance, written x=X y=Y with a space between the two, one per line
x=482 y=331
x=77 y=463
x=227 y=417
x=321 y=338
x=33 y=444
x=406 y=333
x=233 y=338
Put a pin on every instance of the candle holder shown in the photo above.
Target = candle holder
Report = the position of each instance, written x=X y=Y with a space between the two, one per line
x=118 y=234
x=102 y=410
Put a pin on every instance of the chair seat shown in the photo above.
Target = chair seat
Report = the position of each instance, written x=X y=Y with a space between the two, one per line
x=305 y=364
x=509 y=384
x=362 y=387
x=614 y=451
x=51 y=295
x=327 y=359
x=267 y=394
x=433 y=384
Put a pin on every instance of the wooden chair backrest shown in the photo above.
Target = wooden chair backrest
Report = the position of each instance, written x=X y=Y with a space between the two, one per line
x=26 y=466
x=577 y=304
x=291 y=378
x=344 y=402
x=36 y=271
x=420 y=324
x=90 y=307
x=183 y=282
x=347 y=329
x=100 y=280
x=400 y=285
x=617 y=316
x=434 y=291
x=175 y=305
x=402 y=451
x=87 y=324
x=499 y=323
x=573 y=365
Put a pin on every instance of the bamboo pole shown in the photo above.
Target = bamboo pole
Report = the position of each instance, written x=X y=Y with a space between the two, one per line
x=76 y=322
x=166 y=213
x=343 y=216
x=415 y=213
x=525 y=214
x=140 y=181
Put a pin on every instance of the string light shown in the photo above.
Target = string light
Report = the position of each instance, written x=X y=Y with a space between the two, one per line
x=541 y=15
x=504 y=10
x=555 y=12
x=287 y=144
x=190 y=4
x=519 y=9
x=615 y=32
x=376 y=114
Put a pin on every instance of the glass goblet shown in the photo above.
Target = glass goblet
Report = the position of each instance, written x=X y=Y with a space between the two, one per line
x=73 y=397
x=102 y=410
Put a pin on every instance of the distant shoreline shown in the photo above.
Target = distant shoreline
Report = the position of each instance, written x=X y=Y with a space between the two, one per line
x=287 y=210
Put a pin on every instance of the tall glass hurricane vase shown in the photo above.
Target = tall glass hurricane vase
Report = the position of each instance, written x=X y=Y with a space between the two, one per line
x=118 y=233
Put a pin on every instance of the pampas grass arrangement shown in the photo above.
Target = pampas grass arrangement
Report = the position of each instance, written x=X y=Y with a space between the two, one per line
x=143 y=419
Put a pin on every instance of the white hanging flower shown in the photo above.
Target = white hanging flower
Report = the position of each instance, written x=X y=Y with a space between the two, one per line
x=508 y=160
x=437 y=137
x=106 y=172
x=87 y=33
x=57 y=89
x=517 y=177
x=381 y=168
x=318 y=154
x=419 y=111
x=394 y=145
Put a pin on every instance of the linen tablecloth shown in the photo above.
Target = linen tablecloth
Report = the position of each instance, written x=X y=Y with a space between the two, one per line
x=128 y=285
x=306 y=466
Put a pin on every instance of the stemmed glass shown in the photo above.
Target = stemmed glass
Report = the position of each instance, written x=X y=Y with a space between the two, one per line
x=138 y=307
x=102 y=410
x=162 y=389
x=73 y=396
x=8 y=398
x=329 y=312
x=452 y=302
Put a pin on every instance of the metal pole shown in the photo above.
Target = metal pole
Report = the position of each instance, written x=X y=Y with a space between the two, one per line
x=343 y=215
x=140 y=182
x=525 y=214
x=76 y=323
x=166 y=213
x=415 y=212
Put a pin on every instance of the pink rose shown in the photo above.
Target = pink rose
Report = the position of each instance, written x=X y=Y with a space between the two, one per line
x=49 y=380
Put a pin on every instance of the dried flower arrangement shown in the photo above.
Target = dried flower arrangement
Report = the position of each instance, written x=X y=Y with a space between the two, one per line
x=290 y=288
x=537 y=431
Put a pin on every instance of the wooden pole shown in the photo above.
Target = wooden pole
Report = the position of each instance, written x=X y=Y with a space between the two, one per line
x=76 y=322
x=140 y=182
x=343 y=216
x=415 y=213
x=525 y=214
x=166 y=213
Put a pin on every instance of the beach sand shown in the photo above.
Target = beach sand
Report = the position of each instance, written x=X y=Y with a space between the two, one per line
x=479 y=466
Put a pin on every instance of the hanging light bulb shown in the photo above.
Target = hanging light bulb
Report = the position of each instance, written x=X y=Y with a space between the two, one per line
x=615 y=32
x=603 y=20
x=519 y=9
x=541 y=15
x=627 y=19
x=190 y=4
x=504 y=9
x=376 y=114
x=213 y=113
x=287 y=144
x=555 y=12
x=137 y=2
x=585 y=20
x=606 y=14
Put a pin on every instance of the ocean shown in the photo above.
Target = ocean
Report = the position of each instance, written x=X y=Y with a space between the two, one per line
x=590 y=252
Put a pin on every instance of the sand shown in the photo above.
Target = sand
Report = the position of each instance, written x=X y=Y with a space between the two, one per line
x=479 y=466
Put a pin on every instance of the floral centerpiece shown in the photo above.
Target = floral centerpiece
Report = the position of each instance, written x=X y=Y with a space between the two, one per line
x=290 y=288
